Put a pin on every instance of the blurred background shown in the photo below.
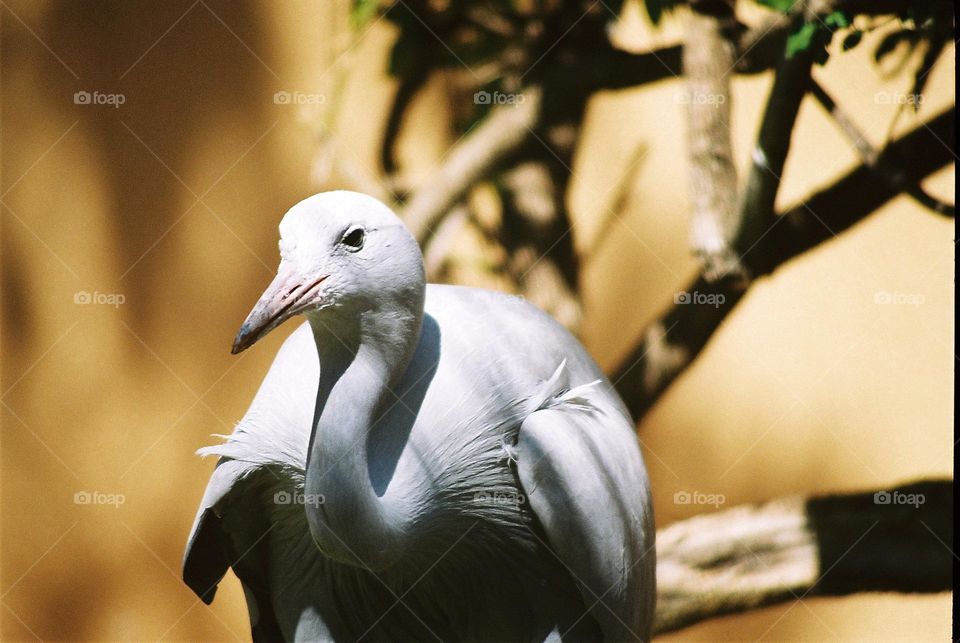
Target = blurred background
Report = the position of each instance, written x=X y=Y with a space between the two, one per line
x=139 y=227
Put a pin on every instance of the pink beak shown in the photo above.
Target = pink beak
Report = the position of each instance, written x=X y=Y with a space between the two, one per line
x=286 y=296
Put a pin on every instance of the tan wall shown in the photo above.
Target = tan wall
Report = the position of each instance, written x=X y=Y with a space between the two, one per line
x=809 y=386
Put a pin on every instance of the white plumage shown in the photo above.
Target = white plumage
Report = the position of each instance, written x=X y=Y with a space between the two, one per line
x=453 y=466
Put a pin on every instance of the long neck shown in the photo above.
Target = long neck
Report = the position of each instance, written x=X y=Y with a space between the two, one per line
x=361 y=361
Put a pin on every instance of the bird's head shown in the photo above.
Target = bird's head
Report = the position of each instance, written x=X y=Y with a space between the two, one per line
x=341 y=254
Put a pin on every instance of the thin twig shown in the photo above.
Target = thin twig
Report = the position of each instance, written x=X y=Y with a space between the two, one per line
x=871 y=157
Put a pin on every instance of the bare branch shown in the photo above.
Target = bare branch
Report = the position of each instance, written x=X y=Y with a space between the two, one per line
x=652 y=366
x=708 y=60
x=536 y=236
x=507 y=128
x=501 y=133
x=871 y=157
x=733 y=560
x=685 y=328
x=926 y=149
x=788 y=549
x=790 y=85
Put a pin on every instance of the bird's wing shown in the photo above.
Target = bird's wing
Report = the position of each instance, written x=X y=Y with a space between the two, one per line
x=212 y=547
x=583 y=477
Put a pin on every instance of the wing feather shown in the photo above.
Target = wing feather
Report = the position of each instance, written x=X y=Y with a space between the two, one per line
x=583 y=476
x=212 y=548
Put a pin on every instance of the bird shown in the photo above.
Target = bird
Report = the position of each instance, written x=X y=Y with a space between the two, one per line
x=421 y=462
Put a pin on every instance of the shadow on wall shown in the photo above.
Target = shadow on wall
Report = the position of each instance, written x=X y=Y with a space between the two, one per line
x=146 y=86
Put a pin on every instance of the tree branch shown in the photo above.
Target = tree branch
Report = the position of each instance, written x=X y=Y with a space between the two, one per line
x=673 y=340
x=567 y=82
x=790 y=85
x=507 y=128
x=535 y=234
x=658 y=359
x=925 y=150
x=871 y=157
x=708 y=60
x=502 y=132
x=747 y=557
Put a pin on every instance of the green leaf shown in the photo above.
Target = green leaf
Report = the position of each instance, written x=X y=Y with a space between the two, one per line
x=783 y=6
x=801 y=39
x=837 y=20
x=362 y=11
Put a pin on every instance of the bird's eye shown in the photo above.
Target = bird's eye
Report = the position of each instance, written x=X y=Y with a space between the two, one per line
x=353 y=239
